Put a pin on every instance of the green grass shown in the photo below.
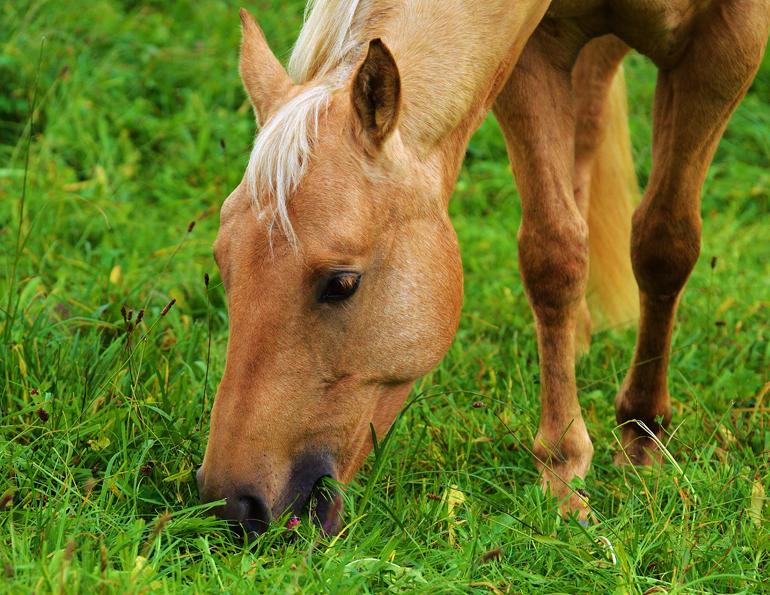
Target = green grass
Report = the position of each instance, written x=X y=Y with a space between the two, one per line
x=140 y=128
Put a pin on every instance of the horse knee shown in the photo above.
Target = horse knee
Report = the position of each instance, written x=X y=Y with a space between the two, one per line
x=554 y=265
x=664 y=250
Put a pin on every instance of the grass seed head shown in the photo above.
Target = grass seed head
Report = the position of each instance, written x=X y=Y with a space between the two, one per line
x=6 y=500
x=69 y=550
x=167 y=307
x=160 y=524
x=491 y=555
x=90 y=485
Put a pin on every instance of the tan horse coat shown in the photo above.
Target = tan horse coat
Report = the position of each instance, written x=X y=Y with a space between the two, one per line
x=342 y=269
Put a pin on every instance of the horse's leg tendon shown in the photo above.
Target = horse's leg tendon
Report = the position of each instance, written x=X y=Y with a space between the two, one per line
x=536 y=112
x=693 y=103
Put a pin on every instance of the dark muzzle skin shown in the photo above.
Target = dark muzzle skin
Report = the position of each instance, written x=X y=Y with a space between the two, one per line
x=309 y=490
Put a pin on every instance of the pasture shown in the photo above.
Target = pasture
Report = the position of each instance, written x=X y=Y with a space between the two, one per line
x=123 y=126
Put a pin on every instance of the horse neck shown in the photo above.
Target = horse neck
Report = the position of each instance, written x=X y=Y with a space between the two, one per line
x=453 y=56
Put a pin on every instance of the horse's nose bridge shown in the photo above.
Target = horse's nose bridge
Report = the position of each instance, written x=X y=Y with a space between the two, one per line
x=245 y=453
x=247 y=416
x=251 y=455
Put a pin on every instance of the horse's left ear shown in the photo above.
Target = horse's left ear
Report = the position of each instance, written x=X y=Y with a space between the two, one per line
x=376 y=92
x=264 y=78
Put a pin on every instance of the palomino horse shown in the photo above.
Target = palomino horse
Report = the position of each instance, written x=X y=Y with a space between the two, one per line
x=342 y=269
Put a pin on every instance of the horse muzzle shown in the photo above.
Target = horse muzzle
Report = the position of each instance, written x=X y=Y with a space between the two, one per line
x=310 y=493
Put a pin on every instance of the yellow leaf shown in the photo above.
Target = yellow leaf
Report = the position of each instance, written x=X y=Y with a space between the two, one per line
x=115 y=274
x=99 y=444
x=101 y=175
x=139 y=565
x=725 y=305
x=22 y=364
x=454 y=498
x=757 y=502
x=98 y=402
x=77 y=186
x=115 y=490
x=127 y=170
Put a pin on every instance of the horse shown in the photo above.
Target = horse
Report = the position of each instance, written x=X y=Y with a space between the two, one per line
x=341 y=267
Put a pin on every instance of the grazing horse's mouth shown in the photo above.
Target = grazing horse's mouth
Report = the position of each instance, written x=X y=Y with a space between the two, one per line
x=324 y=507
x=311 y=494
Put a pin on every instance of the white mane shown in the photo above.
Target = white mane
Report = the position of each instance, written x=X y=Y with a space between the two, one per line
x=283 y=147
x=325 y=38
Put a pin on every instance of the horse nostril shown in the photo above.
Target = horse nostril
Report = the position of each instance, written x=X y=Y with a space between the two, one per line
x=253 y=514
x=325 y=505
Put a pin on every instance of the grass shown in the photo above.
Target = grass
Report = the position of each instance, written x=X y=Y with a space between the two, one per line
x=140 y=128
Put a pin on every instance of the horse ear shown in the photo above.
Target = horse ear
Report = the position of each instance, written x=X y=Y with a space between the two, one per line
x=376 y=92
x=264 y=79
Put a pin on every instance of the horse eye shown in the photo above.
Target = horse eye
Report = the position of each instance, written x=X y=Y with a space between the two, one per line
x=339 y=287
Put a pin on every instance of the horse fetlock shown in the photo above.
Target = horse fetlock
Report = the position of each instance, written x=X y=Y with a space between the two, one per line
x=643 y=419
x=637 y=447
x=562 y=457
x=652 y=407
x=564 y=452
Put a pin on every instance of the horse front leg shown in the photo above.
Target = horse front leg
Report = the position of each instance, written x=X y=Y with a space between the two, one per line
x=693 y=103
x=536 y=112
